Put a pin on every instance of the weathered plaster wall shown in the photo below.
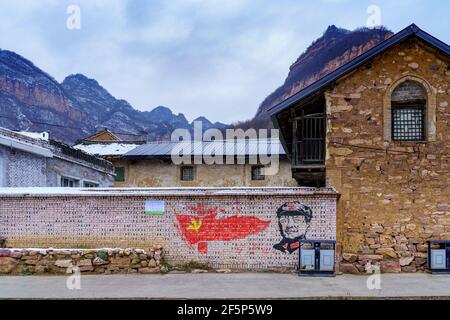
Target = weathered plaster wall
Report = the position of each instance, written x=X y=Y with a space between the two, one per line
x=224 y=228
x=22 y=169
x=159 y=173
x=391 y=202
x=59 y=167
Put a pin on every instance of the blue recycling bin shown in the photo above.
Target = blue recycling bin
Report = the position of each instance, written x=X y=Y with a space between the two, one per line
x=317 y=258
x=439 y=256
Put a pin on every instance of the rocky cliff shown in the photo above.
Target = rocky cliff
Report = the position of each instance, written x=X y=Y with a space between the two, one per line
x=32 y=100
x=333 y=49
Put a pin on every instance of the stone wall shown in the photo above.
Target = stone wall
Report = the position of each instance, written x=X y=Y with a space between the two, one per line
x=222 y=228
x=106 y=261
x=394 y=195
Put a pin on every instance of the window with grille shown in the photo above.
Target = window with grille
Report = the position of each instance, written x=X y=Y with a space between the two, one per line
x=408 y=105
x=257 y=173
x=187 y=173
x=69 y=182
x=120 y=173
x=408 y=123
x=87 y=184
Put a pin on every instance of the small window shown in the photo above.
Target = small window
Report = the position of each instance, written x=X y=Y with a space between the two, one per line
x=120 y=173
x=408 y=105
x=257 y=173
x=69 y=182
x=187 y=173
x=408 y=123
x=87 y=184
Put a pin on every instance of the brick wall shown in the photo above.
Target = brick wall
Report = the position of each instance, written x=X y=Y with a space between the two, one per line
x=224 y=228
x=22 y=169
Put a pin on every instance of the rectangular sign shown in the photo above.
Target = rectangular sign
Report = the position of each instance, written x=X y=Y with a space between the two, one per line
x=155 y=207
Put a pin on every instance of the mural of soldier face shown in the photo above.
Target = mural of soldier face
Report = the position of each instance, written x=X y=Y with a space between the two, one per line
x=294 y=220
x=292 y=227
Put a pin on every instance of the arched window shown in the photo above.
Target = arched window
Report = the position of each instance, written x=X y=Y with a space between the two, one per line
x=408 y=112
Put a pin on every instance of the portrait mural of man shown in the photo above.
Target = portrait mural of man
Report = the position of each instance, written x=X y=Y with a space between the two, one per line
x=294 y=221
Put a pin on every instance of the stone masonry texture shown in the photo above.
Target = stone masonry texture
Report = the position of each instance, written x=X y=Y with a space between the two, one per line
x=394 y=195
x=68 y=261
x=222 y=229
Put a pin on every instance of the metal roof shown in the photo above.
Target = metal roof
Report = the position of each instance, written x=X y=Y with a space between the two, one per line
x=327 y=80
x=241 y=147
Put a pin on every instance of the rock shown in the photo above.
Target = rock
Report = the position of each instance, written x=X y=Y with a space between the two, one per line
x=370 y=257
x=41 y=269
x=223 y=271
x=350 y=257
x=413 y=65
x=422 y=248
x=7 y=264
x=63 y=263
x=342 y=151
x=5 y=253
x=390 y=266
x=199 y=271
x=376 y=228
x=16 y=254
x=406 y=261
x=99 y=261
x=121 y=261
x=85 y=262
x=152 y=263
x=86 y=268
x=348 y=268
x=144 y=263
x=420 y=261
x=148 y=270
x=387 y=252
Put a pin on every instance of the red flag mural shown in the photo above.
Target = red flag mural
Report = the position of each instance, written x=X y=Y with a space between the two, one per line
x=204 y=226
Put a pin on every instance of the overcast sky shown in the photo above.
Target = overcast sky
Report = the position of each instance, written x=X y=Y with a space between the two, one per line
x=216 y=58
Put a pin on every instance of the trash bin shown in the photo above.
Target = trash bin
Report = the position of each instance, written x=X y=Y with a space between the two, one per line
x=439 y=256
x=317 y=258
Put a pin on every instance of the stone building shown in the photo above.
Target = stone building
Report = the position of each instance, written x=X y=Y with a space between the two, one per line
x=378 y=130
x=27 y=160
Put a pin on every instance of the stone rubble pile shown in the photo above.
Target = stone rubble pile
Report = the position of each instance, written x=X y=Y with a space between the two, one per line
x=102 y=261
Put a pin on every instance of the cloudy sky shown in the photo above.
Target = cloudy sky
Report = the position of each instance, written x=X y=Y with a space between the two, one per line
x=217 y=58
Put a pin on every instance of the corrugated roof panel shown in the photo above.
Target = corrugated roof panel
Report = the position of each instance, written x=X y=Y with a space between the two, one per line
x=226 y=147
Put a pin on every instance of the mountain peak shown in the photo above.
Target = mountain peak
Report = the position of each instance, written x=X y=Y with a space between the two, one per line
x=334 y=48
x=333 y=31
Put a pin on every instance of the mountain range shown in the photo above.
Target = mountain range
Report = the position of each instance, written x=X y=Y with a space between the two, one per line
x=32 y=100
